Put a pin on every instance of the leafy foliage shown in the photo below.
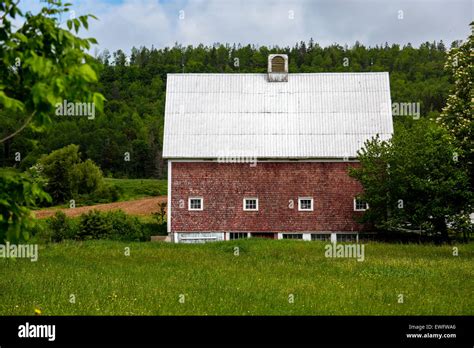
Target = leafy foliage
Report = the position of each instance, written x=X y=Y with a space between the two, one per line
x=61 y=227
x=67 y=176
x=414 y=181
x=41 y=65
x=57 y=169
x=87 y=177
x=114 y=225
x=161 y=214
x=94 y=225
x=124 y=227
x=18 y=194
x=457 y=115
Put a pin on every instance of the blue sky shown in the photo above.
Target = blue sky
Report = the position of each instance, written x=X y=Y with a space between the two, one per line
x=127 y=23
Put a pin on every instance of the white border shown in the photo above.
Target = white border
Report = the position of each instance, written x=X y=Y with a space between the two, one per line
x=245 y=198
x=189 y=203
x=305 y=198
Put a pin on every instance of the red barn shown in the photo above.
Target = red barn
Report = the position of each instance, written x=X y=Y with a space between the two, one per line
x=267 y=155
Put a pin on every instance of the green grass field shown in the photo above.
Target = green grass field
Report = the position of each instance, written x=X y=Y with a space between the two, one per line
x=139 y=188
x=260 y=281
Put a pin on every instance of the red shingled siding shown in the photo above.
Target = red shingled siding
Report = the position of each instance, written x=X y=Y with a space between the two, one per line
x=223 y=187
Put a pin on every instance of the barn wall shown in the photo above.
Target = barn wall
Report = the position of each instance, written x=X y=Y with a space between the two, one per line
x=224 y=185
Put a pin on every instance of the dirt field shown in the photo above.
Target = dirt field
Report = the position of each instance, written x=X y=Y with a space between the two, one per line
x=144 y=206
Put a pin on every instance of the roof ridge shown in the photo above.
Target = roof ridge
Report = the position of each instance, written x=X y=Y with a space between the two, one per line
x=289 y=74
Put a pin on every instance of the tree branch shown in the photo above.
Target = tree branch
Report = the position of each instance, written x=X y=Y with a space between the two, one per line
x=28 y=120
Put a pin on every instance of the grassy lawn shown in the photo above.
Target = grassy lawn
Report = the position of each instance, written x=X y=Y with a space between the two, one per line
x=139 y=188
x=257 y=282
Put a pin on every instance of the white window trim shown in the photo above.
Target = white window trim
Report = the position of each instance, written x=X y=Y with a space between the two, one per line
x=355 y=209
x=249 y=198
x=305 y=198
x=194 y=209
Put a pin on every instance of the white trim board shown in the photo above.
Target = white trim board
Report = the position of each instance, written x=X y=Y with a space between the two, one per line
x=168 y=222
x=296 y=160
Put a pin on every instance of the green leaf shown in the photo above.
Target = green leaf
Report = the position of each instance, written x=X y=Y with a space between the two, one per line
x=88 y=73
x=52 y=98
x=77 y=24
x=83 y=19
x=10 y=103
x=22 y=37
x=99 y=99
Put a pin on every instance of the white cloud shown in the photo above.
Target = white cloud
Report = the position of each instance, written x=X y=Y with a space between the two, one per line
x=267 y=22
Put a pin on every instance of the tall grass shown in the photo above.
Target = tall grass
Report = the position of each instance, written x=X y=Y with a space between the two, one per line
x=171 y=279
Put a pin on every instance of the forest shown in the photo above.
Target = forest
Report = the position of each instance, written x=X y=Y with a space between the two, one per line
x=125 y=141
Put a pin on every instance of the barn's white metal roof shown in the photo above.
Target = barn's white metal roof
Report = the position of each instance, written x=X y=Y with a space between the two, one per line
x=324 y=115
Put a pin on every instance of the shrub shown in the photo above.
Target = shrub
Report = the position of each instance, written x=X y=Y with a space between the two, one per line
x=111 y=192
x=61 y=227
x=41 y=233
x=94 y=225
x=114 y=225
x=153 y=229
x=124 y=227
x=161 y=227
x=104 y=194
x=87 y=177
x=161 y=213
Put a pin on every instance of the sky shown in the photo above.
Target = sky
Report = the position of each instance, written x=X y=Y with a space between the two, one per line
x=123 y=24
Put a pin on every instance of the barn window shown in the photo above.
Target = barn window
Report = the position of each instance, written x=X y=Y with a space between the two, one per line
x=347 y=237
x=278 y=64
x=292 y=236
x=238 y=235
x=195 y=203
x=321 y=236
x=305 y=204
x=360 y=205
x=251 y=204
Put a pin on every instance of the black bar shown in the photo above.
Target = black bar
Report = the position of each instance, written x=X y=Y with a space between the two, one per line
x=335 y=330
